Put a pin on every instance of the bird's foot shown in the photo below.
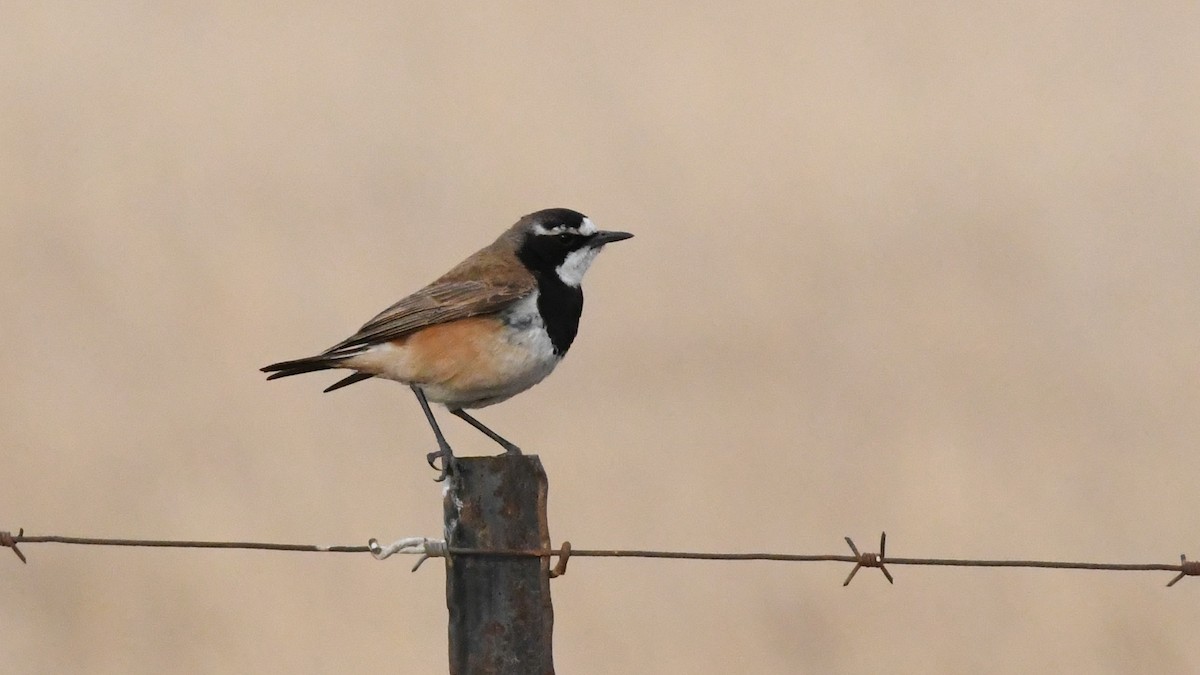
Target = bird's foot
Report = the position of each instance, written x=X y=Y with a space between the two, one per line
x=447 y=457
x=510 y=449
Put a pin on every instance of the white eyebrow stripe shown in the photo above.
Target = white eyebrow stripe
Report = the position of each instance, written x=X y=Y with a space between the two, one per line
x=586 y=228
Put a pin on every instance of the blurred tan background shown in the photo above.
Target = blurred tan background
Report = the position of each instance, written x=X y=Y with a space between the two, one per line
x=927 y=268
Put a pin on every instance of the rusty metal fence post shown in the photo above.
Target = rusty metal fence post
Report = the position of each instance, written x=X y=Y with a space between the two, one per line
x=501 y=619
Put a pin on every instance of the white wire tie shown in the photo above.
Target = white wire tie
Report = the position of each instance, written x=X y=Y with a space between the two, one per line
x=425 y=547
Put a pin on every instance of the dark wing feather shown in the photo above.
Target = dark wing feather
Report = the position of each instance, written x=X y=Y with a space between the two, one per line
x=347 y=381
x=437 y=303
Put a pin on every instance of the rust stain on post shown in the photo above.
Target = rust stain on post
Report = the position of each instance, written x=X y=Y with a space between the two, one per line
x=501 y=619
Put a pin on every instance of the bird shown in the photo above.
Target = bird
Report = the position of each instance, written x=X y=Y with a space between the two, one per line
x=492 y=327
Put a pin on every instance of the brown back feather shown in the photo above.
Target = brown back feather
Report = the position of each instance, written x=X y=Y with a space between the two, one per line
x=488 y=281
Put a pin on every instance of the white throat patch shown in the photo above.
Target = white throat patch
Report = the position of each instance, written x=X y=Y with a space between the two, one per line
x=572 y=269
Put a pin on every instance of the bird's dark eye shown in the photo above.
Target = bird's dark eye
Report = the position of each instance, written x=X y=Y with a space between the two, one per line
x=565 y=237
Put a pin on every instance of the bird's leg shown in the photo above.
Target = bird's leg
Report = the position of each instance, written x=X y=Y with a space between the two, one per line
x=444 y=451
x=508 y=447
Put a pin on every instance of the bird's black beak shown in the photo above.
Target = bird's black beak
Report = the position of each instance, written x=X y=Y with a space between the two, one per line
x=607 y=237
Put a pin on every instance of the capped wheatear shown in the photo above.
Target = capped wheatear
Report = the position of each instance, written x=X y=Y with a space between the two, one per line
x=490 y=328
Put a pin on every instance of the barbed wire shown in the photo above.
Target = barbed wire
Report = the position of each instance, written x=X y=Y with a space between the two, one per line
x=437 y=548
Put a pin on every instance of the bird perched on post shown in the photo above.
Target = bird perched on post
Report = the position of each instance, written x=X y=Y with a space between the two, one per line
x=490 y=328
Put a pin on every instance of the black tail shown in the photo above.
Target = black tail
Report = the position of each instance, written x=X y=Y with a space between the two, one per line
x=312 y=364
x=305 y=365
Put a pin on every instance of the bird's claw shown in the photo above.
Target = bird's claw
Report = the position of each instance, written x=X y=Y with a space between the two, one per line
x=447 y=458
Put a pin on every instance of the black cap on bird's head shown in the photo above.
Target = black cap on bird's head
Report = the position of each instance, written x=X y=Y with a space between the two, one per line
x=562 y=241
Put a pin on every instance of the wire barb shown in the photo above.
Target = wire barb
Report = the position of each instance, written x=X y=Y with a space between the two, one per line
x=1187 y=568
x=869 y=560
x=564 y=554
x=7 y=540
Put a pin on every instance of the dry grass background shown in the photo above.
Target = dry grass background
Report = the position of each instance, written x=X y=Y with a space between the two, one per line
x=923 y=267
